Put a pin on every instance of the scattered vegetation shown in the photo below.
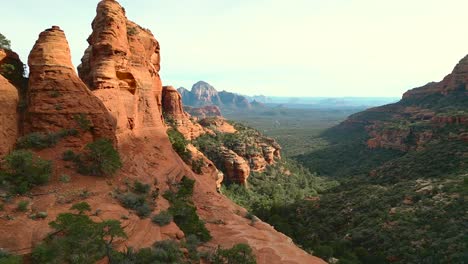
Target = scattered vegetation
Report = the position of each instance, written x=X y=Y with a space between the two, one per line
x=83 y=122
x=99 y=159
x=22 y=170
x=23 y=206
x=162 y=219
x=197 y=165
x=138 y=199
x=7 y=258
x=240 y=253
x=132 y=31
x=184 y=212
x=179 y=143
x=81 y=207
x=65 y=178
x=78 y=239
x=38 y=140
x=4 y=42
x=280 y=185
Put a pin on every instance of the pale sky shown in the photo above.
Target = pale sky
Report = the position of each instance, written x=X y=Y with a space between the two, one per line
x=275 y=47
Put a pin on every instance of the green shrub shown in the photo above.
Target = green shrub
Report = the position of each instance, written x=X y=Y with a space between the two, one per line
x=141 y=188
x=185 y=213
x=132 y=31
x=69 y=155
x=7 y=258
x=135 y=202
x=81 y=207
x=4 y=42
x=78 y=239
x=39 y=140
x=65 y=178
x=23 y=170
x=99 y=159
x=83 y=122
x=23 y=206
x=179 y=144
x=166 y=251
x=162 y=219
x=197 y=165
x=238 y=254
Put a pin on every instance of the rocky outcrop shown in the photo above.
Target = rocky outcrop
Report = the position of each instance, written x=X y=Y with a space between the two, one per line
x=236 y=168
x=121 y=66
x=217 y=123
x=174 y=113
x=172 y=103
x=204 y=112
x=9 y=119
x=256 y=150
x=57 y=99
x=434 y=112
x=456 y=81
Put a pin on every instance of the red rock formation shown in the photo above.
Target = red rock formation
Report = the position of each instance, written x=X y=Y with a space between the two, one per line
x=236 y=168
x=218 y=123
x=456 y=81
x=8 y=116
x=204 y=112
x=121 y=66
x=173 y=109
x=57 y=98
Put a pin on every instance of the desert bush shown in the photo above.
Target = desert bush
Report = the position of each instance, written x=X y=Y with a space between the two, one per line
x=141 y=188
x=7 y=258
x=4 y=42
x=240 y=253
x=39 y=140
x=166 y=251
x=184 y=212
x=81 y=207
x=78 y=239
x=23 y=170
x=100 y=158
x=23 y=206
x=83 y=122
x=179 y=144
x=162 y=219
x=135 y=202
x=197 y=165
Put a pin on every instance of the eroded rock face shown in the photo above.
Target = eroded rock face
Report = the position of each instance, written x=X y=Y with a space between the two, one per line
x=121 y=66
x=8 y=116
x=236 y=168
x=456 y=81
x=57 y=99
x=204 y=112
x=174 y=111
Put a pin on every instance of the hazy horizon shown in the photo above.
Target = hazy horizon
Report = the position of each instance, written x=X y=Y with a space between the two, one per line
x=298 y=48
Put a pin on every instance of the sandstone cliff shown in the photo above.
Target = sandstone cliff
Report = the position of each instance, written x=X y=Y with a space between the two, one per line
x=434 y=112
x=9 y=119
x=57 y=99
x=121 y=66
x=174 y=113
x=203 y=112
